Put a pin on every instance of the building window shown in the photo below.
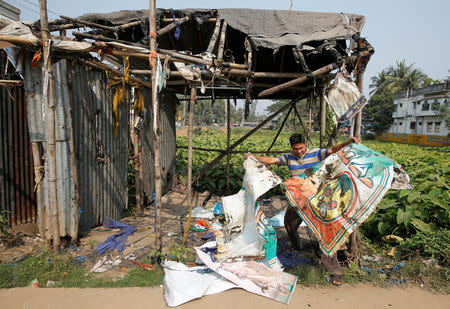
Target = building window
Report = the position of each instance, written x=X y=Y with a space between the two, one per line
x=400 y=123
x=418 y=102
x=429 y=126
x=437 y=127
x=412 y=125
x=401 y=104
x=445 y=103
x=426 y=106
x=435 y=105
x=414 y=104
x=395 y=108
x=420 y=123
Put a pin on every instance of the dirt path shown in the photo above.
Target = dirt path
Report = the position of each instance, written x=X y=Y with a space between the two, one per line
x=347 y=296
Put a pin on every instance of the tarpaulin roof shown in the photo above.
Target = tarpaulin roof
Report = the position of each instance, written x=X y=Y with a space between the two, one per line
x=274 y=28
x=265 y=28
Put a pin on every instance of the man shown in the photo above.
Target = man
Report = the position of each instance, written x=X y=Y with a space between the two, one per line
x=298 y=161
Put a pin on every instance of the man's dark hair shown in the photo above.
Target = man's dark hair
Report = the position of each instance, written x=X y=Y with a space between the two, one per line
x=296 y=138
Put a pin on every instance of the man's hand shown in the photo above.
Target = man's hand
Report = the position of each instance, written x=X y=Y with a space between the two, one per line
x=355 y=139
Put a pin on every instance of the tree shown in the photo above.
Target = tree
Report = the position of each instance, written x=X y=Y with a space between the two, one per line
x=385 y=85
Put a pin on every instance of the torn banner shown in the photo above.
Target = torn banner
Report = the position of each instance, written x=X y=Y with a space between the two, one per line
x=344 y=97
x=343 y=191
x=247 y=231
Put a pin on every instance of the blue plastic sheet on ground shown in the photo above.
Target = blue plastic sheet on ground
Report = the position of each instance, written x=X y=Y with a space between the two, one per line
x=117 y=240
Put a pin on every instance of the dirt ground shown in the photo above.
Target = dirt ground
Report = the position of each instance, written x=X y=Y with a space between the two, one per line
x=25 y=241
x=344 y=297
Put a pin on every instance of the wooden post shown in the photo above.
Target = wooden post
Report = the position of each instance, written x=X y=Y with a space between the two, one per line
x=50 y=125
x=212 y=42
x=222 y=40
x=298 y=81
x=323 y=113
x=156 y=126
x=228 y=144
x=358 y=117
x=190 y=156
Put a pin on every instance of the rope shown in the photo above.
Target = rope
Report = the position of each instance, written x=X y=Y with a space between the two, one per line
x=177 y=28
x=153 y=54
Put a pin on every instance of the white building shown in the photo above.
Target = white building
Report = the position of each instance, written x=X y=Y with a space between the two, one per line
x=417 y=112
x=8 y=13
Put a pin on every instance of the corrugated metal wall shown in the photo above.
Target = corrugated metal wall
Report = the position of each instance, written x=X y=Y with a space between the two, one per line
x=17 y=197
x=101 y=159
x=168 y=143
x=92 y=165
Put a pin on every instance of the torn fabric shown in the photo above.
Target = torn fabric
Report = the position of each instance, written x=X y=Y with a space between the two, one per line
x=247 y=231
x=342 y=193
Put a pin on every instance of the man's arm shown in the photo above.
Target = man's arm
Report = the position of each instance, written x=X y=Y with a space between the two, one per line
x=265 y=160
x=334 y=149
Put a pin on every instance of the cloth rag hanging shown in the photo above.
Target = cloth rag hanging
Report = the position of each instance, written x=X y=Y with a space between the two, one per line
x=117 y=240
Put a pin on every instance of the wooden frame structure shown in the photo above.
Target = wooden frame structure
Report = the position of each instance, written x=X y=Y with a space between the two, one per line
x=219 y=54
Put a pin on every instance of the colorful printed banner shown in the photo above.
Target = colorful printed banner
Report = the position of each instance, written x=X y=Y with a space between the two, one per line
x=343 y=191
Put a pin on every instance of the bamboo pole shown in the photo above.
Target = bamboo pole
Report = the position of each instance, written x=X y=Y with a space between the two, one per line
x=190 y=157
x=213 y=40
x=99 y=37
x=358 y=118
x=228 y=144
x=233 y=151
x=156 y=126
x=238 y=142
x=172 y=26
x=128 y=25
x=89 y=24
x=324 y=70
x=323 y=109
x=50 y=126
x=16 y=40
x=281 y=127
x=222 y=40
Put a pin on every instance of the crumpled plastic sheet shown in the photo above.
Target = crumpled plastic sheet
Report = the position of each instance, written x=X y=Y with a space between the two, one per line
x=344 y=97
x=247 y=231
x=254 y=277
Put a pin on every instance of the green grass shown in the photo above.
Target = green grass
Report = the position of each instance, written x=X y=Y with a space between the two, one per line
x=46 y=266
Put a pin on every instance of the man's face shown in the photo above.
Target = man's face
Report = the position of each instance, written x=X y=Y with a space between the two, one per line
x=299 y=149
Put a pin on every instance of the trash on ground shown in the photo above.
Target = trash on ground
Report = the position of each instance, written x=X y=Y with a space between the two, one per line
x=200 y=212
x=117 y=240
x=34 y=283
x=218 y=209
x=105 y=263
x=130 y=257
x=372 y=258
x=398 y=266
x=50 y=284
x=199 y=228
x=80 y=259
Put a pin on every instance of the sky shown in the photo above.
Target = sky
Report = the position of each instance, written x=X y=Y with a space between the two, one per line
x=415 y=31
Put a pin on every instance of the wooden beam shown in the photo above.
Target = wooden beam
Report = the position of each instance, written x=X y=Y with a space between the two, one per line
x=358 y=117
x=298 y=81
x=92 y=25
x=213 y=40
x=323 y=113
x=172 y=26
x=190 y=156
x=156 y=126
x=222 y=40
x=51 y=145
